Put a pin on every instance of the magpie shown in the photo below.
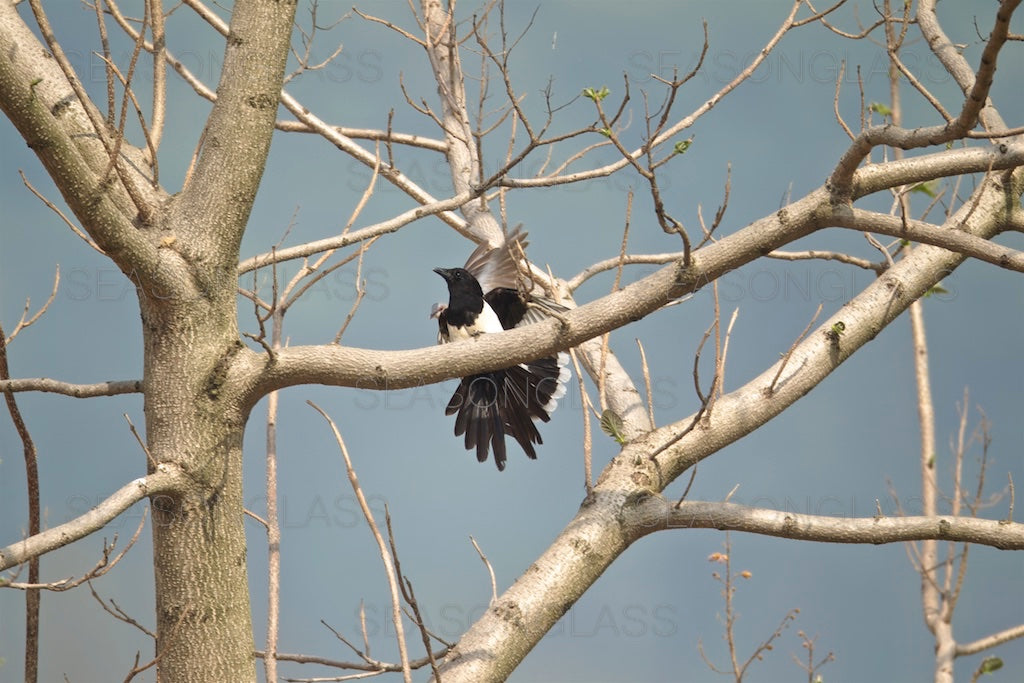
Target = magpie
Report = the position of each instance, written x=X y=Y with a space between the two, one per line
x=484 y=297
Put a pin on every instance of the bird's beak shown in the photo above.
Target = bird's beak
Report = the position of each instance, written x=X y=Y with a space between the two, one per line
x=446 y=273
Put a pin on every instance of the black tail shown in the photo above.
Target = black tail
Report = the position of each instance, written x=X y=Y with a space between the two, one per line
x=492 y=404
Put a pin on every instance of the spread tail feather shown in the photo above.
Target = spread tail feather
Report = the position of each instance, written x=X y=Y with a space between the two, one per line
x=491 y=404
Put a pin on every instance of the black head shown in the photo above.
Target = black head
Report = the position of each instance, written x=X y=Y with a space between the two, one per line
x=460 y=281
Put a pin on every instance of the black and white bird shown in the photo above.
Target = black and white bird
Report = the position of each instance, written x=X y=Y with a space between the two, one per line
x=484 y=297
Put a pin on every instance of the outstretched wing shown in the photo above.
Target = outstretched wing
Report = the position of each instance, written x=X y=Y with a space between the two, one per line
x=495 y=267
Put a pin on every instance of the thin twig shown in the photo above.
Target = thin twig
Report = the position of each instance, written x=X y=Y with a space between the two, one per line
x=67 y=221
x=785 y=358
x=389 y=568
x=102 y=566
x=360 y=291
x=119 y=613
x=271 y=523
x=32 y=596
x=689 y=484
x=27 y=320
x=588 y=437
x=410 y=597
x=1009 y=513
x=647 y=381
x=490 y=570
x=140 y=441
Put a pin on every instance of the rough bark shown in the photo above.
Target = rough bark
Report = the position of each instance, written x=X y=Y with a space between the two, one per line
x=190 y=339
x=182 y=254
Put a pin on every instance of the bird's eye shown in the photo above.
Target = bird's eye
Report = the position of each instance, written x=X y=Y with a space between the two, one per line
x=458 y=275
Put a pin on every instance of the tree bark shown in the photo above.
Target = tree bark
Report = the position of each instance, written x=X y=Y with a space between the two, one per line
x=202 y=594
x=182 y=255
x=191 y=338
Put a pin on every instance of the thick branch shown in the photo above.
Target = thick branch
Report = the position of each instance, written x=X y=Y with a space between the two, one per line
x=167 y=478
x=53 y=386
x=462 y=153
x=952 y=59
x=401 y=369
x=657 y=514
x=991 y=641
x=976 y=88
x=945 y=164
x=517 y=620
x=37 y=98
x=927 y=233
x=238 y=131
x=370 y=369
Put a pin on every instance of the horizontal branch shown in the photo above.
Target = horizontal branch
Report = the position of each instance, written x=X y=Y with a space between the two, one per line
x=928 y=233
x=382 y=370
x=371 y=665
x=974 y=104
x=649 y=463
x=945 y=164
x=814 y=254
x=254 y=374
x=167 y=478
x=408 y=139
x=53 y=386
x=573 y=283
x=656 y=513
x=867 y=180
x=343 y=240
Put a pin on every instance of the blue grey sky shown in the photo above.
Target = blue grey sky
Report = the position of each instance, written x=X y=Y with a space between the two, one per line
x=851 y=442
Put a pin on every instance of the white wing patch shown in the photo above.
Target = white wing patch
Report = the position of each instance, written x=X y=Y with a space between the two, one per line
x=486 y=323
x=563 y=378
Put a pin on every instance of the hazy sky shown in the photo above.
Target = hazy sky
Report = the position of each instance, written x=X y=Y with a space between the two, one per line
x=851 y=442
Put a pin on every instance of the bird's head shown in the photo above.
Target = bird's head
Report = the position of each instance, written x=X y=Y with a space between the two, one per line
x=460 y=281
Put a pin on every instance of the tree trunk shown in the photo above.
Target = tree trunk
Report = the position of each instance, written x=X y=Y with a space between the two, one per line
x=199 y=551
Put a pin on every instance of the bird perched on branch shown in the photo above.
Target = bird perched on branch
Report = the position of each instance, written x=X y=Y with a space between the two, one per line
x=485 y=297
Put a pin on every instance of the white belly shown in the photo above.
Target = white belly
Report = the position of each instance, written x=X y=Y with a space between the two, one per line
x=485 y=323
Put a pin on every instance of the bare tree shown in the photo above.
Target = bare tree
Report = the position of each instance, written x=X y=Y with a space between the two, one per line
x=203 y=375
